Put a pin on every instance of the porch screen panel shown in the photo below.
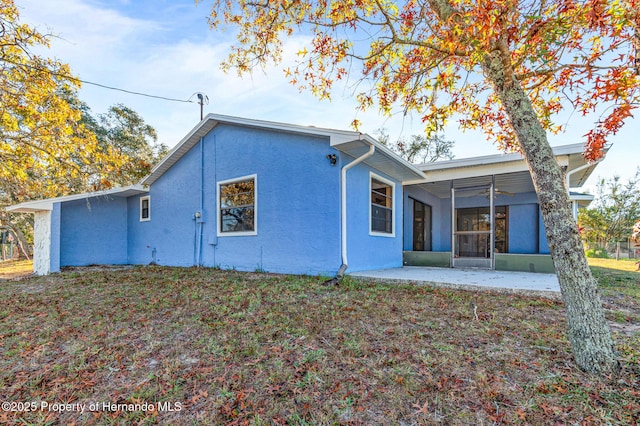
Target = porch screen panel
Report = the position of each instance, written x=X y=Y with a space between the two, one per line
x=474 y=231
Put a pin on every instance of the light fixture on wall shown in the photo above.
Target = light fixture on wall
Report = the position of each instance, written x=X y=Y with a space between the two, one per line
x=333 y=159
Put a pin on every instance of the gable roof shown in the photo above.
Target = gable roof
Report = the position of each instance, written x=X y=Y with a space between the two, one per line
x=47 y=204
x=350 y=143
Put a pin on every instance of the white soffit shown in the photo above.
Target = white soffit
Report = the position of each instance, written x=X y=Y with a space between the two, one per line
x=569 y=156
x=383 y=159
x=518 y=182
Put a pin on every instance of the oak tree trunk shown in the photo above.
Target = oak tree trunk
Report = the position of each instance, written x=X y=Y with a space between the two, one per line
x=21 y=239
x=588 y=332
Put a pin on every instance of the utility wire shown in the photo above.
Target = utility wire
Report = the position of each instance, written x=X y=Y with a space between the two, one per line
x=70 y=77
x=131 y=92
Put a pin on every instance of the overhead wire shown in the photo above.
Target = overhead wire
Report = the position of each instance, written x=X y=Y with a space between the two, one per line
x=104 y=86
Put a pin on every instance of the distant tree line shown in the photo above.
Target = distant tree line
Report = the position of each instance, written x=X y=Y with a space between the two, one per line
x=614 y=211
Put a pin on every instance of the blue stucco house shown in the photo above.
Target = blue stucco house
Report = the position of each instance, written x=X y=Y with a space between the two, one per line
x=247 y=194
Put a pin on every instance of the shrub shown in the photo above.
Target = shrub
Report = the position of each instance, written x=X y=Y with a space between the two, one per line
x=599 y=252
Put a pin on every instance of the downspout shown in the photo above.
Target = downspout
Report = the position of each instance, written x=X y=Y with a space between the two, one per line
x=198 y=219
x=343 y=206
x=571 y=172
x=201 y=200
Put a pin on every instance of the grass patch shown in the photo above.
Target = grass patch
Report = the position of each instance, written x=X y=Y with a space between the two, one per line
x=222 y=347
x=12 y=269
x=619 y=283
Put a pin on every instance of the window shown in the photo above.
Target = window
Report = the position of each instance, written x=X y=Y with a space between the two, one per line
x=381 y=206
x=145 y=209
x=237 y=205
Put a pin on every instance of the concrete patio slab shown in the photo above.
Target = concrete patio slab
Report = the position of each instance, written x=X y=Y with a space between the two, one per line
x=469 y=279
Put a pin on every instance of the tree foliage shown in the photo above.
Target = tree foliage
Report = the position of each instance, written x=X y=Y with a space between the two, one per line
x=125 y=131
x=44 y=149
x=418 y=148
x=50 y=145
x=614 y=211
x=506 y=67
x=427 y=56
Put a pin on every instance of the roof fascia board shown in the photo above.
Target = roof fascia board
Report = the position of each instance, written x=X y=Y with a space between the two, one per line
x=336 y=136
x=587 y=197
x=478 y=170
x=385 y=151
x=176 y=153
x=212 y=120
x=559 y=151
x=47 y=204
x=31 y=207
x=395 y=157
x=480 y=166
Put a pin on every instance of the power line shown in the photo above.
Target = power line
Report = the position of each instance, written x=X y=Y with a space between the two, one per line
x=104 y=86
x=132 y=92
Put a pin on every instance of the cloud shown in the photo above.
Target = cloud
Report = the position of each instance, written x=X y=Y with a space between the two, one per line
x=175 y=55
x=168 y=50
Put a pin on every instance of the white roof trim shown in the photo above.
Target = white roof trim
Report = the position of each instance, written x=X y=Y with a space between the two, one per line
x=47 y=204
x=582 y=197
x=337 y=139
x=577 y=148
x=383 y=159
x=569 y=156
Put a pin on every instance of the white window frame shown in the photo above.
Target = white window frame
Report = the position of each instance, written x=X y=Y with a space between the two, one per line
x=255 y=206
x=148 y=218
x=392 y=184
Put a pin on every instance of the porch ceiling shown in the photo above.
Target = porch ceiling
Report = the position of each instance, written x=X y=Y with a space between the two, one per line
x=517 y=182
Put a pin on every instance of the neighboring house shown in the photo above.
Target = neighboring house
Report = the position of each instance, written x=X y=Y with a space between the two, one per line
x=255 y=195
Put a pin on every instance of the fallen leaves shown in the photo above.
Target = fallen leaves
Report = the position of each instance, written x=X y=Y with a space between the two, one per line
x=232 y=348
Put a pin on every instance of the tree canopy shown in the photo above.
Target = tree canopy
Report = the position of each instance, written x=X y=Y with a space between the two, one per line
x=614 y=211
x=428 y=56
x=418 y=148
x=44 y=149
x=123 y=130
x=507 y=67
x=50 y=144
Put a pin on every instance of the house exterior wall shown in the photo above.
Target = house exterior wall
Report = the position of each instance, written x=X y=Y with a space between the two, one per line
x=366 y=251
x=169 y=234
x=523 y=228
x=93 y=231
x=298 y=205
x=140 y=249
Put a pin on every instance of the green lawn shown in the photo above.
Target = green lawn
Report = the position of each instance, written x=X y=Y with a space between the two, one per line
x=248 y=348
x=11 y=269
x=620 y=286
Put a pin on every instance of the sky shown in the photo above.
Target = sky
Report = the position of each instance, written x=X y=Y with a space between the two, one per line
x=166 y=48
